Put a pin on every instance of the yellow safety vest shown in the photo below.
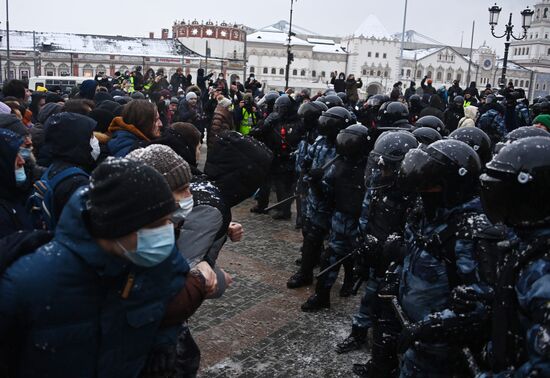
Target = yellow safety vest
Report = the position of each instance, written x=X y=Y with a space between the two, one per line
x=248 y=121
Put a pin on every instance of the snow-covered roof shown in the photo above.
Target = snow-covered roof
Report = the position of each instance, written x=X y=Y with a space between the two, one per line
x=372 y=27
x=330 y=49
x=275 y=37
x=510 y=65
x=321 y=41
x=79 y=43
x=419 y=54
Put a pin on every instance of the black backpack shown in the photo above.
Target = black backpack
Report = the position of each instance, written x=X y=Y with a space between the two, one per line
x=238 y=165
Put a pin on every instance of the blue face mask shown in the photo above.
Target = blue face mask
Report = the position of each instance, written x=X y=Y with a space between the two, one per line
x=25 y=153
x=154 y=245
x=20 y=176
x=186 y=206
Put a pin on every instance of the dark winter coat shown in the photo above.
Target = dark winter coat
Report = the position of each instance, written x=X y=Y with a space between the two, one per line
x=68 y=141
x=202 y=79
x=13 y=216
x=181 y=146
x=427 y=88
x=435 y=109
x=64 y=305
x=454 y=91
x=177 y=81
x=125 y=138
x=352 y=87
x=339 y=84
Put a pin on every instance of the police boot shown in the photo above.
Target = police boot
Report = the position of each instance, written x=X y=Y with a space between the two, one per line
x=318 y=301
x=304 y=276
x=347 y=286
x=356 y=339
x=384 y=362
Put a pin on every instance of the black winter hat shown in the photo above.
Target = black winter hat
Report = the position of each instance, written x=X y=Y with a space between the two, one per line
x=52 y=97
x=103 y=118
x=125 y=196
x=102 y=96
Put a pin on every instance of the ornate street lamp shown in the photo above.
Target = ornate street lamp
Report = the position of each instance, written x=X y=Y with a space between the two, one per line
x=494 y=12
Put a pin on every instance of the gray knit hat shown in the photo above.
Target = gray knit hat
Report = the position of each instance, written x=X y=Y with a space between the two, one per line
x=175 y=170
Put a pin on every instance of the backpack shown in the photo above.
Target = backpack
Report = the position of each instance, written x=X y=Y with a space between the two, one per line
x=41 y=201
x=238 y=165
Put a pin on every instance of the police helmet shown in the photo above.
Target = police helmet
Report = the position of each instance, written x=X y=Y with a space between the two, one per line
x=459 y=100
x=343 y=97
x=450 y=167
x=333 y=100
x=520 y=133
x=475 y=138
x=353 y=141
x=394 y=111
x=385 y=158
x=432 y=122
x=311 y=111
x=516 y=180
x=426 y=135
x=283 y=104
x=334 y=120
x=415 y=101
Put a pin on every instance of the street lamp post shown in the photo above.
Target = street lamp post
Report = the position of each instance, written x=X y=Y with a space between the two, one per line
x=494 y=12
x=289 y=54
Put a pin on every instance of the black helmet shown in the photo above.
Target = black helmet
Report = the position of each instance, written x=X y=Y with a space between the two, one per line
x=520 y=133
x=394 y=111
x=459 y=100
x=415 y=101
x=542 y=107
x=311 y=111
x=343 y=97
x=385 y=158
x=271 y=97
x=283 y=104
x=377 y=100
x=334 y=120
x=515 y=185
x=450 y=165
x=333 y=100
x=321 y=99
x=432 y=122
x=352 y=141
x=475 y=138
x=426 y=135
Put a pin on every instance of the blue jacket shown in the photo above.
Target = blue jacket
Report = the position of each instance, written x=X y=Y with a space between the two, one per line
x=64 y=305
x=122 y=143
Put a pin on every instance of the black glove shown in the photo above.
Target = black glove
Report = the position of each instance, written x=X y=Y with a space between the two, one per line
x=465 y=298
x=316 y=174
x=161 y=360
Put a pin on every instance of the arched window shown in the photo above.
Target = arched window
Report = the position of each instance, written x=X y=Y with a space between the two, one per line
x=385 y=73
x=371 y=73
x=429 y=74
x=281 y=71
x=418 y=74
x=314 y=73
x=449 y=76
x=408 y=73
x=24 y=71
x=303 y=73
x=64 y=70
x=526 y=83
x=364 y=72
x=378 y=73
x=323 y=74
x=273 y=71
x=516 y=83
x=439 y=76
x=295 y=72
x=545 y=14
x=459 y=77
x=87 y=70
x=265 y=70
x=527 y=51
x=251 y=69
x=49 y=69
x=521 y=83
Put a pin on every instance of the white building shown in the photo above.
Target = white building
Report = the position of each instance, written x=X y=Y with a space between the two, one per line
x=314 y=59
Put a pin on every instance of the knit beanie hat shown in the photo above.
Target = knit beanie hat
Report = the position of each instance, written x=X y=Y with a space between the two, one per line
x=11 y=122
x=175 y=170
x=543 y=119
x=125 y=196
x=190 y=95
x=87 y=89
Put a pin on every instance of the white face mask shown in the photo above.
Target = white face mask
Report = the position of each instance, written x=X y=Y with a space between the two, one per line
x=94 y=143
x=186 y=206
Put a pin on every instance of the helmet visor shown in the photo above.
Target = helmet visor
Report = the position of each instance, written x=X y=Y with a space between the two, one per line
x=380 y=172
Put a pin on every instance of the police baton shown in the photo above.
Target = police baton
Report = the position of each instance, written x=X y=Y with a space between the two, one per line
x=283 y=202
x=336 y=263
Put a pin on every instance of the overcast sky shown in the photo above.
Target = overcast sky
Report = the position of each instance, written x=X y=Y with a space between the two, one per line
x=443 y=20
